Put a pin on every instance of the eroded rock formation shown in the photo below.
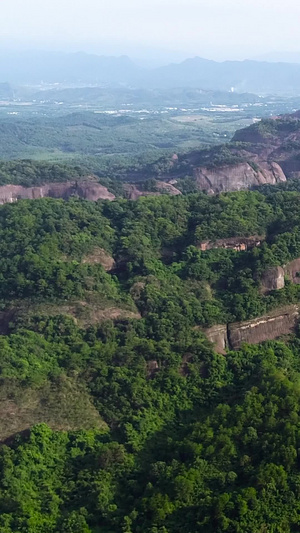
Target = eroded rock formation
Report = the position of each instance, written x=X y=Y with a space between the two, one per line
x=292 y=270
x=90 y=190
x=273 y=279
x=218 y=336
x=237 y=177
x=234 y=243
x=101 y=257
x=133 y=193
x=268 y=327
x=275 y=324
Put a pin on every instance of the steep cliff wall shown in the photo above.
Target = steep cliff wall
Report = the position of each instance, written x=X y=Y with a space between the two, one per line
x=89 y=190
x=280 y=322
x=273 y=279
x=218 y=336
x=237 y=177
x=233 y=243
x=292 y=270
x=277 y=323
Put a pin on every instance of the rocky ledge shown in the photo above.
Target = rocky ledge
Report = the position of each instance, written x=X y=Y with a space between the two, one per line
x=89 y=190
x=275 y=324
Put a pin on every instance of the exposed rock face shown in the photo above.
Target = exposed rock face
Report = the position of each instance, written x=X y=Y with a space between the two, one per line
x=234 y=243
x=237 y=177
x=152 y=368
x=275 y=140
x=218 y=336
x=269 y=327
x=273 y=279
x=133 y=193
x=89 y=190
x=292 y=270
x=168 y=188
x=266 y=152
x=101 y=257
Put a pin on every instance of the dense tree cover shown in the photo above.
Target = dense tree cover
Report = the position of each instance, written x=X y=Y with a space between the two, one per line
x=192 y=441
x=154 y=241
x=89 y=134
x=203 y=443
x=266 y=129
x=45 y=260
x=30 y=173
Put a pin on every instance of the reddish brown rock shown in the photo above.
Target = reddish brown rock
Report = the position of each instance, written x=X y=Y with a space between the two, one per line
x=234 y=243
x=237 y=177
x=133 y=193
x=90 y=190
x=152 y=368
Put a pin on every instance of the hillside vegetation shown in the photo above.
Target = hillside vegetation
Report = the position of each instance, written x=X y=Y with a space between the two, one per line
x=102 y=138
x=116 y=414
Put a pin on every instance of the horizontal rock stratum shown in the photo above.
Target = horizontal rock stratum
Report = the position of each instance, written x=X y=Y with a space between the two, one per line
x=271 y=326
x=89 y=190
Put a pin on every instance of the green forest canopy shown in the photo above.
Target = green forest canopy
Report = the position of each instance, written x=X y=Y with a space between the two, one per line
x=191 y=441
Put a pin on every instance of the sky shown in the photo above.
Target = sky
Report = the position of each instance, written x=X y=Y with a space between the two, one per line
x=216 y=29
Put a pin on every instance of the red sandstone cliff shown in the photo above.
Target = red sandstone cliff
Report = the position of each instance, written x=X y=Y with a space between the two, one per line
x=89 y=190
x=237 y=177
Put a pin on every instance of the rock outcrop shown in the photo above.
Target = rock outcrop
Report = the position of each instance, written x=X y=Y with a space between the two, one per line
x=168 y=188
x=237 y=177
x=233 y=243
x=292 y=270
x=275 y=324
x=101 y=257
x=272 y=279
x=268 y=327
x=133 y=193
x=218 y=336
x=89 y=190
x=267 y=152
x=152 y=368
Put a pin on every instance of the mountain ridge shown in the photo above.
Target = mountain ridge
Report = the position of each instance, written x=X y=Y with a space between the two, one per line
x=259 y=77
x=267 y=152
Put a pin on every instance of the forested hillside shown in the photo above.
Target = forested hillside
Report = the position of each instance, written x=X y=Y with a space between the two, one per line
x=116 y=413
x=97 y=136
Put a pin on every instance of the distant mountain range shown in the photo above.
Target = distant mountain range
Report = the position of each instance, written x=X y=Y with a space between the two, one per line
x=78 y=69
x=240 y=76
x=74 y=68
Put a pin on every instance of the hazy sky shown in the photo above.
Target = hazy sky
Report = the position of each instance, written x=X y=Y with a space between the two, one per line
x=213 y=28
